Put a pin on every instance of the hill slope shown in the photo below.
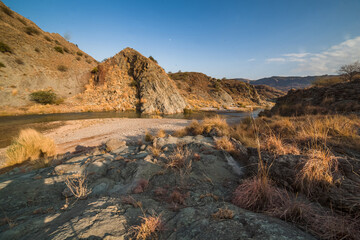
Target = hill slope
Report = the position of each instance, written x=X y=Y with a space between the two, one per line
x=32 y=59
x=337 y=98
x=201 y=91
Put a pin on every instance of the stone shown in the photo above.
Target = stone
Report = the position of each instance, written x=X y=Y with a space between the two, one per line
x=114 y=144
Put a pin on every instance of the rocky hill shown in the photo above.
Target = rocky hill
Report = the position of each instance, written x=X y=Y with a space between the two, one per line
x=201 y=91
x=31 y=59
x=337 y=98
x=131 y=81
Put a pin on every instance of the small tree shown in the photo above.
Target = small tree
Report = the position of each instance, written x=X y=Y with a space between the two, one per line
x=349 y=71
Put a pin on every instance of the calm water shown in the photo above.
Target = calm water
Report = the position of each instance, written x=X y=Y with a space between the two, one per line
x=11 y=126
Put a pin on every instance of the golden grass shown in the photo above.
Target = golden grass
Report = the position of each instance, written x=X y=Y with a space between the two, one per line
x=180 y=159
x=30 y=145
x=224 y=143
x=161 y=133
x=148 y=229
x=318 y=169
x=205 y=127
x=275 y=145
x=77 y=186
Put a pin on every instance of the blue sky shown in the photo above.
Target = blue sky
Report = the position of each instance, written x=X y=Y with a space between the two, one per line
x=249 y=39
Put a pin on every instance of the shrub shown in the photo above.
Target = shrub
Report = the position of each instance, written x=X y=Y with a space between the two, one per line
x=88 y=61
x=43 y=97
x=78 y=58
x=47 y=38
x=152 y=59
x=2 y=65
x=79 y=53
x=66 y=50
x=180 y=159
x=59 y=49
x=19 y=61
x=37 y=50
x=7 y=10
x=62 y=68
x=187 y=111
x=77 y=186
x=95 y=70
x=30 y=145
x=57 y=42
x=32 y=31
x=5 y=48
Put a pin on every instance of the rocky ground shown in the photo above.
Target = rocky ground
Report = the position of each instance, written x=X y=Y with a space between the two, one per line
x=186 y=181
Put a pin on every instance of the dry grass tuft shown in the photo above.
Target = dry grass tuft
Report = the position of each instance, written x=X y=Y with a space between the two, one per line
x=318 y=170
x=181 y=158
x=156 y=151
x=131 y=201
x=216 y=124
x=30 y=145
x=224 y=143
x=223 y=213
x=177 y=197
x=276 y=146
x=258 y=194
x=148 y=229
x=149 y=137
x=161 y=134
x=77 y=185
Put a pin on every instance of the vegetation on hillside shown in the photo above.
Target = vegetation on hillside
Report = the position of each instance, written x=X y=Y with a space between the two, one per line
x=5 y=48
x=44 y=97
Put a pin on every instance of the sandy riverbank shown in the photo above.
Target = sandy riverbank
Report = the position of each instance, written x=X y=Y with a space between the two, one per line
x=93 y=132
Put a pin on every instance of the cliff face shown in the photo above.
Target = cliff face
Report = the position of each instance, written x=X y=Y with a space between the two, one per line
x=201 y=90
x=131 y=81
x=338 y=98
x=32 y=59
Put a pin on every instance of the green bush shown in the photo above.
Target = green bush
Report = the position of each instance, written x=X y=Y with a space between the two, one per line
x=59 y=49
x=153 y=59
x=7 y=10
x=43 y=97
x=2 y=65
x=32 y=31
x=79 y=53
x=62 y=68
x=95 y=70
x=57 y=42
x=5 y=48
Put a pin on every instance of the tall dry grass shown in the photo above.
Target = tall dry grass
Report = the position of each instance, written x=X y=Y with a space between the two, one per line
x=30 y=145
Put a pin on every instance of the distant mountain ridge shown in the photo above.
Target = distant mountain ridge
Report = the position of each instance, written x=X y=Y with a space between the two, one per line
x=285 y=83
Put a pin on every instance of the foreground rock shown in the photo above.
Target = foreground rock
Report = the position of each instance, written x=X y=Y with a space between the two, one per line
x=185 y=181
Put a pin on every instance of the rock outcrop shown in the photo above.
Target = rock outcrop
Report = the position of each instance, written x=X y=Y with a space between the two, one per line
x=269 y=93
x=129 y=80
x=337 y=98
x=31 y=60
x=129 y=183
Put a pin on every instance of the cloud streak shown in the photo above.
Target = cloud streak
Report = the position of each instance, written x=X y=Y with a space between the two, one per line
x=325 y=62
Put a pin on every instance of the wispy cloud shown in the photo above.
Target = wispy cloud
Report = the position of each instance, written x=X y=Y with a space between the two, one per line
x=325 y=62
x=251 y=60
x=276 y=60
